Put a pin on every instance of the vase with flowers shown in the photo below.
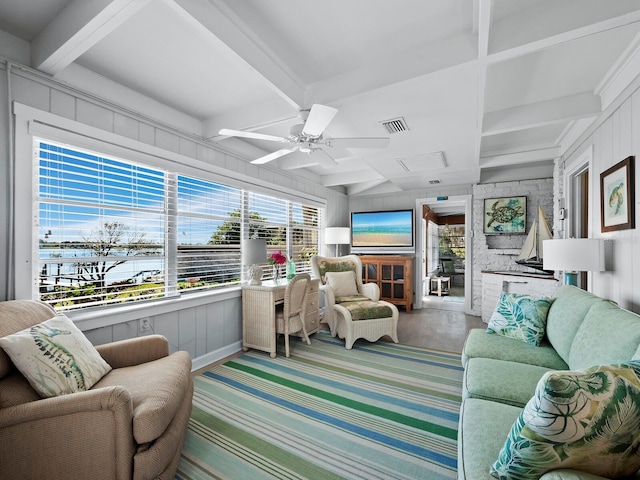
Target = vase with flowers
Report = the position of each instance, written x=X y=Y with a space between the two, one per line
x=277 y=259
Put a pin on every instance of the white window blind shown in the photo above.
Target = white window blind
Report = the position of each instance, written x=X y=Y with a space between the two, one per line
x=288 y=227
x=101 y=228
x=113 y=231
x=208 y=243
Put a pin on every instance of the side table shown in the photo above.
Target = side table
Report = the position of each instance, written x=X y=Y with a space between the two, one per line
x=440 y=285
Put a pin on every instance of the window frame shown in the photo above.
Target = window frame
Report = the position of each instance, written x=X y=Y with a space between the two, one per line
x=31 y=123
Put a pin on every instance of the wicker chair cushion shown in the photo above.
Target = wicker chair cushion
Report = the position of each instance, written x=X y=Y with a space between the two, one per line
x=367 y=310
x=342 y=283
x=325 y=266
x=351 y=298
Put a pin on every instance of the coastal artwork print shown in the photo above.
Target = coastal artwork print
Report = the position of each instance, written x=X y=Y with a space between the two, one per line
x=505 y=215
x=382 y=229
x=617 y=202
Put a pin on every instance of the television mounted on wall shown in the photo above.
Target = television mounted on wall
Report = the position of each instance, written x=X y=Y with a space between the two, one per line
x=380 y=232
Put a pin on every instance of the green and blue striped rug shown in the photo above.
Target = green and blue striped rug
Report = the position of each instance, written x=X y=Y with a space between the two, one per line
x=378 y=411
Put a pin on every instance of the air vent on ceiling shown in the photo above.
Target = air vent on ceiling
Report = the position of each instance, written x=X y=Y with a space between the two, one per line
x=395 y=125
x=434 y=182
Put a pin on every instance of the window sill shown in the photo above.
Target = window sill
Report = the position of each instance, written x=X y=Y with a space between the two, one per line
x=98 y=318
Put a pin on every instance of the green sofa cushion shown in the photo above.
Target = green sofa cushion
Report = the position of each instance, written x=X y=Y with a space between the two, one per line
x=482 y=430
x=570 y=306
x=486 y=345
x=506 y=382
x=608 y=334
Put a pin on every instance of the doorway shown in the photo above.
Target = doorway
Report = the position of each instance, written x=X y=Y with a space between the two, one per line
x=577 y=202
x=443 y=247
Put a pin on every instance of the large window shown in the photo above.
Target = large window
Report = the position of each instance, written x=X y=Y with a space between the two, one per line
x=113 y=231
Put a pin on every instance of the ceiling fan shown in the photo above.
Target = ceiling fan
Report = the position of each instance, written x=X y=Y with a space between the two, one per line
x=307 y=137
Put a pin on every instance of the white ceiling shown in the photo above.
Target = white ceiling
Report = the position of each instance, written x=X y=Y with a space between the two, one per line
x=490 y=89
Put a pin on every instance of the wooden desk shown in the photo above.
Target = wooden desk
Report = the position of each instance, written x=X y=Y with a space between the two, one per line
x=259 y=303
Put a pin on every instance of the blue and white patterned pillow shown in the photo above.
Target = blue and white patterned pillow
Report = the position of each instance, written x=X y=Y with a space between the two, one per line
x=522 y=317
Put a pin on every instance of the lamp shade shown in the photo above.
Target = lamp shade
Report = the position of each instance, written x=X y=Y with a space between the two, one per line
x=254 y=251
x=337 y=235
x=574 y=254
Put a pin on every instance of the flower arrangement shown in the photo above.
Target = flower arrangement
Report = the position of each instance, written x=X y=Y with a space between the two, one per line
x=277 y=258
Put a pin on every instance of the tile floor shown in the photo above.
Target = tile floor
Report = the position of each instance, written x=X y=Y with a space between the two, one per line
x=443 y=325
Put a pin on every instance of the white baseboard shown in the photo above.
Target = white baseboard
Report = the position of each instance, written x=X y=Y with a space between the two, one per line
x=212 y=357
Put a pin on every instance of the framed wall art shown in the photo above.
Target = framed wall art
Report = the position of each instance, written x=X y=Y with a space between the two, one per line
x=504 y=215
x=617 y=197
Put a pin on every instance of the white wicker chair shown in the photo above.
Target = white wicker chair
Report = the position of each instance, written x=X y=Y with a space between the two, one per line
x=338 y=317
x=291 y=318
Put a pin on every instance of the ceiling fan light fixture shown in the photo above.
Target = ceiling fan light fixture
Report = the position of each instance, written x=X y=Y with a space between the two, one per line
x=306 y=147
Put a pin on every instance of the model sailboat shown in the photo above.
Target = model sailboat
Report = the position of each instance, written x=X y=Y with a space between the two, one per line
x=531 y=253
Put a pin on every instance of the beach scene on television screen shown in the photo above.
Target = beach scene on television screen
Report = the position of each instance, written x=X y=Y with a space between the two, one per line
x=382 y=229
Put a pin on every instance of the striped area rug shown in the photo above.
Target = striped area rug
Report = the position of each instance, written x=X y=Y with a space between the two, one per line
x=378 y=411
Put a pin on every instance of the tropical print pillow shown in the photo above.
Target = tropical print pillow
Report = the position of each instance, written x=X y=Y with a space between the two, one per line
x=325 y=266
x=522 y=317
x=587 y=420
x=55 y=357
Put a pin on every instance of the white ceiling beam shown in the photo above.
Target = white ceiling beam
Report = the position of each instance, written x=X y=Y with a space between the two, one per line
x=564 y=37
x=510 y=159
x=621 y=74
x=572 y=107
x=359 y=188
x=221 y=22
x=79 y=26
x=485 y=8
x=347 y=178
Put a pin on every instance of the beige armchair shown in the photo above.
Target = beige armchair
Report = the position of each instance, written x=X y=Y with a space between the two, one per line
x=129 y=425
x=356 y=311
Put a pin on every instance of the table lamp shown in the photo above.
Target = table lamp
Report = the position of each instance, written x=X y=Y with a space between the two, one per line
x=254 y=252
x=337 y=236
x=573 y=255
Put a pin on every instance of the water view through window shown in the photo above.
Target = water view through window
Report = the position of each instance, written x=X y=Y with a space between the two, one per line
x=112 y=231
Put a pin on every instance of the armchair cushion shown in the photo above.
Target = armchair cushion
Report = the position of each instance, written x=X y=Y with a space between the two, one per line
x=337 y=264
x=55 y=357
x=342 y=283
x=157 y=389
x=367 y=309
x=351 y=298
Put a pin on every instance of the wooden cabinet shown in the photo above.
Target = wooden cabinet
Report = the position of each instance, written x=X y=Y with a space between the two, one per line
x=394 y=276
x=494 y=283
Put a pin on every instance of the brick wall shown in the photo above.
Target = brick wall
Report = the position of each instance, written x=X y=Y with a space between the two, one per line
x=499 y=252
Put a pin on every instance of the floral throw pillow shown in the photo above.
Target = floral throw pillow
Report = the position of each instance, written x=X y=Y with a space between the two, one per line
x=587 y=420
x=55 y=357
x=522 y=317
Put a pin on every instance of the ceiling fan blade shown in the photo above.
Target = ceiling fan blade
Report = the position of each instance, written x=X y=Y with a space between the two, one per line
x=319 y=118
x=273 y=156
x=378 y=142
x=256 y=136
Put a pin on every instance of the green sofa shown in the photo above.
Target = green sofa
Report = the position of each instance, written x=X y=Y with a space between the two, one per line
x=501 y=373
